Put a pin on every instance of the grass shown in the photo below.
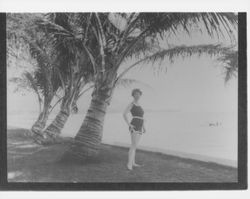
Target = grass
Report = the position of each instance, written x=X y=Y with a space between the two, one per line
x=29 y=162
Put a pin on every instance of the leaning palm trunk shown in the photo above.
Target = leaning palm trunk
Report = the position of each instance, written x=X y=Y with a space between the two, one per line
x=54 y=129
x=39 y=125
x=74 y=107
x=88 y=139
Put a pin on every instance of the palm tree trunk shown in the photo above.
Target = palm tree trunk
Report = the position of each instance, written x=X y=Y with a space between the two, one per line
x=55 y=128
x=74 y=108
x=40 y=123
x=88 y=139
x=53 y=131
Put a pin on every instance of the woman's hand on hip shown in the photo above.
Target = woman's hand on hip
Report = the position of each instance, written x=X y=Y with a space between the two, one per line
x=131 y=126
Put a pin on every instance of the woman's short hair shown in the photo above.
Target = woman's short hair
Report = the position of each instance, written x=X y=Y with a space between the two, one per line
x=135 y=91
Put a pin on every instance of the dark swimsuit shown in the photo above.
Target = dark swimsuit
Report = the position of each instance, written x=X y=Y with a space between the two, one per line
x=136 y=111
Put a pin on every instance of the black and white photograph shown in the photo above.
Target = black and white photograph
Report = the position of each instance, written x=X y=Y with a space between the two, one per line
x=123 y=97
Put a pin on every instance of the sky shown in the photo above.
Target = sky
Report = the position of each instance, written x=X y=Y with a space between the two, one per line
x=193 y=84
x=190 y=84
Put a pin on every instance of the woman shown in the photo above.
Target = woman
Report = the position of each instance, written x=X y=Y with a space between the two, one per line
x=136 y=126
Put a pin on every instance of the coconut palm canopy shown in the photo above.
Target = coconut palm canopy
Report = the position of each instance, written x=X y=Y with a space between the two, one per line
x=31 y=41
x=109 y=38
x=125 y=34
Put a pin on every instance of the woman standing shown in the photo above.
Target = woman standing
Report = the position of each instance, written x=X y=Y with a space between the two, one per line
x=136 y=126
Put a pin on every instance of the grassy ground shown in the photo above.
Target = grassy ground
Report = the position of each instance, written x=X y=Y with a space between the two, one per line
x=29 y=162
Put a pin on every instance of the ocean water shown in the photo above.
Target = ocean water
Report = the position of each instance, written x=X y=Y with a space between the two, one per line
x=187 y=134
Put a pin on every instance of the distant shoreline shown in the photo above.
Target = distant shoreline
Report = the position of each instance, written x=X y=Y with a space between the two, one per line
x=121 y=111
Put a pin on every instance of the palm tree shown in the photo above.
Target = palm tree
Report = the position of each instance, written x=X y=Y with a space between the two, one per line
x=68 y=104
x=74 y=70
x=21 y=31
x=18 y=49
x=47 y=81
x=108 y=44
x=62 y=68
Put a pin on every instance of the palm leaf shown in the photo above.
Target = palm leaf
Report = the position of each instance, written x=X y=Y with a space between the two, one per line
x=33 y=85
x=176 y=52
x=21 y=83
x=229 y=60
x=32 y=81
x=66 y=42
x=153 y=24
x=185 y=51
x=163 y=22
x=127 y=82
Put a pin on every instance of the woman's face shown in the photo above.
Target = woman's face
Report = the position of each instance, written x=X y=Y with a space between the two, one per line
x=137 y=95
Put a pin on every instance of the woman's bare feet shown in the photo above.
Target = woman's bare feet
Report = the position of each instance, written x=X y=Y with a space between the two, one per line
x=137 y=165
x=130 y=167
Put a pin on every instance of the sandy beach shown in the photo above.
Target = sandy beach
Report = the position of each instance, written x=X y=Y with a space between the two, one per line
x=29 y=162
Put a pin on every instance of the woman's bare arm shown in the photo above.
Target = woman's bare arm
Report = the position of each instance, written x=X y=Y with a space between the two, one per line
x=126 y=111
x=143 y=127
x=143 y=124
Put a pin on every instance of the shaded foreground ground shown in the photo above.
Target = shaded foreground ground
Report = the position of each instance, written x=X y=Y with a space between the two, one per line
x=29 y=162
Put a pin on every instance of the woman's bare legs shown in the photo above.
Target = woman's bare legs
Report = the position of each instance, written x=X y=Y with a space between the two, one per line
x=131 y=151
x=135 y=137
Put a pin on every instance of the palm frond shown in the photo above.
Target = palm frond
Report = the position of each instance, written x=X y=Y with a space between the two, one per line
x=229 y=60
x=185 y=51
x=163 y=22
x=127 y=82
x=38 y=53
x=32 y=81
x=21 y=83
x=33 y=85
x=144 y=47
x=66 y=43
x=153 y=24
x=176 y=52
